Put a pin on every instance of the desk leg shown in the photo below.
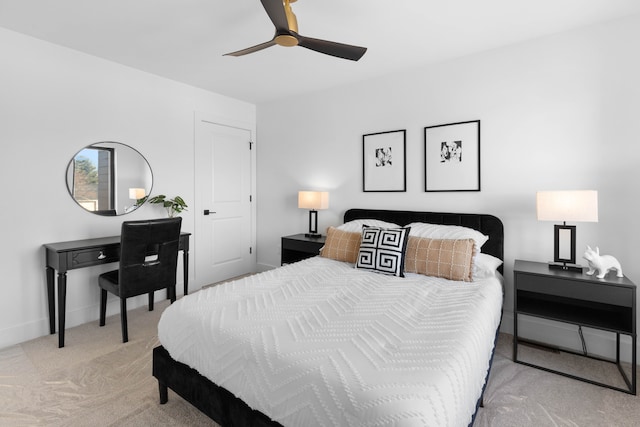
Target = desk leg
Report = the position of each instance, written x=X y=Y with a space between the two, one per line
x=62 y=303
x=51 y=294
x=185 y=267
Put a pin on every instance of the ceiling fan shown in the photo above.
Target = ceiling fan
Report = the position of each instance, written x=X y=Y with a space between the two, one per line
x=287 y=34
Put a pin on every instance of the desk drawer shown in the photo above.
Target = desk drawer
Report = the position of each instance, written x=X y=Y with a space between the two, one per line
x=94 y=256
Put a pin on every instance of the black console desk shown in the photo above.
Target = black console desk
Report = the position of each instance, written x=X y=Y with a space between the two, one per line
x=65 y=256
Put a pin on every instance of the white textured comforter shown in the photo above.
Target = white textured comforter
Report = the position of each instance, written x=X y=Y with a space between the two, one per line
x=321 y=343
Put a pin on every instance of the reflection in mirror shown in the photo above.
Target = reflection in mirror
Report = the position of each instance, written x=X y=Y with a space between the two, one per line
x=109 y=178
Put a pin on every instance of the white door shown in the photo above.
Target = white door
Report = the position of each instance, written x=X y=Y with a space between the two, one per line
x=223 y=241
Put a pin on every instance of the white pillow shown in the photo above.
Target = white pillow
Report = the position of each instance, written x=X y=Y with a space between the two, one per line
x=453 y=232
x=355 y=226
x=485 y=265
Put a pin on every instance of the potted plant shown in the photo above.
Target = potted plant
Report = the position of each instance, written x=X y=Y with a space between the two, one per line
x=173 y=206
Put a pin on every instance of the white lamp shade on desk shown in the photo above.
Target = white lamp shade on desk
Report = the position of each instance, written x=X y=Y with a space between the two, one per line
x=136 y=193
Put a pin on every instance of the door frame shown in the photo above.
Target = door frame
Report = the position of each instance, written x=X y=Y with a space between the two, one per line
x=199 y=207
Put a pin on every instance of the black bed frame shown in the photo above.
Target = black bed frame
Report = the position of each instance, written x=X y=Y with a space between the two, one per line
x=226 y=409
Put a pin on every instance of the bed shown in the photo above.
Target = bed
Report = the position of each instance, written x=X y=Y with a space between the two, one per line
x=320 y=342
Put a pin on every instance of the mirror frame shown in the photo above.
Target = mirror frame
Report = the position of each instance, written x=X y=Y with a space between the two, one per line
x=144 y=180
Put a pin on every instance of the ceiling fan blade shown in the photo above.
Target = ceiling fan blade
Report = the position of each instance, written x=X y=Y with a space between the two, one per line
x=252 y=49
x=340 y=50
x=275 y=10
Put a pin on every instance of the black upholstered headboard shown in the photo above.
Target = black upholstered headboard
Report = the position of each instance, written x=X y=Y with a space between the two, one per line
x=488 y=225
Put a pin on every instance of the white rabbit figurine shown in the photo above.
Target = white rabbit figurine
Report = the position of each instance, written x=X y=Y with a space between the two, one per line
x=601 y=263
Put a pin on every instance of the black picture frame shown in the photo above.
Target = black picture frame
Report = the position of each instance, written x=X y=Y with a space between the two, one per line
x=384 y=160
x=452 y=157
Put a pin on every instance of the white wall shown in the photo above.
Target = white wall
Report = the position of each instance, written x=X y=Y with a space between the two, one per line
x=53 y=102
x=556 y=113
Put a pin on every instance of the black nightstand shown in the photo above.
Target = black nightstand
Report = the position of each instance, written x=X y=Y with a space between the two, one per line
x=607 y=304
x=298 y=247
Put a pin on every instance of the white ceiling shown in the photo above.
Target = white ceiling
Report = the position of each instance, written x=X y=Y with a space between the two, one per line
x=185 y=40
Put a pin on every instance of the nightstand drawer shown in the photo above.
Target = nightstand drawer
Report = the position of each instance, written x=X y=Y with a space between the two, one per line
x=302 y=246
x=596 y=292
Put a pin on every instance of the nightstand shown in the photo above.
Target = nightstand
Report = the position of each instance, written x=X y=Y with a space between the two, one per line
x=607 y=304
x=298 y=247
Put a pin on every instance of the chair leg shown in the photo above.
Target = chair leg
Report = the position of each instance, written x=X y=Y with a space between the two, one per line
x=103 y=306
x=123 y=319
x=150 y=301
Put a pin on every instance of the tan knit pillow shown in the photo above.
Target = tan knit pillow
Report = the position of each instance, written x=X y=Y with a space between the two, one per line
x=341 y=245
x=449 y=259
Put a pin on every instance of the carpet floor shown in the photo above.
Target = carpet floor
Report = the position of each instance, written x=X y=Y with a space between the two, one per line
x=96 y=380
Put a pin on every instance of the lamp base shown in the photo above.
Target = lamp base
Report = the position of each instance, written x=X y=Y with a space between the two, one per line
x=566 y=267
x=313 y=235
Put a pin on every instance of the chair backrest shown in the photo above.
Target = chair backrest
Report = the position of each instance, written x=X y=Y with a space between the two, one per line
x=148 y=255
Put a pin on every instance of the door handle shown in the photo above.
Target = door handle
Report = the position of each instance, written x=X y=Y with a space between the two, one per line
x=207 y=212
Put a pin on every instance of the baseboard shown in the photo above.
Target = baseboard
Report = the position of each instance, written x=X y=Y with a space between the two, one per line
x=91 y=313
x=261 y=268
x=24 y=332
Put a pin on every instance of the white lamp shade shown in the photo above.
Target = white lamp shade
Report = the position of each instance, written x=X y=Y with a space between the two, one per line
x=314 y=200
x=574 y=206
x=136 y=193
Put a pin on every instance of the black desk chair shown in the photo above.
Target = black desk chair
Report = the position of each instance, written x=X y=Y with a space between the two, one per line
x=148 y=262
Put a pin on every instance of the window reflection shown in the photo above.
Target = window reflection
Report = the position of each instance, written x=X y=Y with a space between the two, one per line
x=93 y=175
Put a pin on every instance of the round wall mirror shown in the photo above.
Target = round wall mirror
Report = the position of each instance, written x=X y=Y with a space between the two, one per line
x=109 y=178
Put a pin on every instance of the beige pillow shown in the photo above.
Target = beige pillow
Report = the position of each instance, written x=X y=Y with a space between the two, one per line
x=447 y=258
x=341 y=245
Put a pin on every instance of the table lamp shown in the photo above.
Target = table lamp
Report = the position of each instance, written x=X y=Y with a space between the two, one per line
x=574 y=206
x=139 y=195
x=136 y=193
x=314 y=201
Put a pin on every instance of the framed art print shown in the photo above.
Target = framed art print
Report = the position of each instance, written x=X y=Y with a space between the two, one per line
x=452 y=157
x=384 y=161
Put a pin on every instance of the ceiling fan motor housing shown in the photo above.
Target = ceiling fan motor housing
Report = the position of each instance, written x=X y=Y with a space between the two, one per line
x=286 y=40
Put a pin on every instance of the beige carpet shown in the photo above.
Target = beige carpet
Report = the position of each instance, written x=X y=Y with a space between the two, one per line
x=98 y=381
x=518 y=395
x=95 y=380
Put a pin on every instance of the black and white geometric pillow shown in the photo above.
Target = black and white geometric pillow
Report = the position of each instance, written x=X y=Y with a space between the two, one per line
x=382 y=250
